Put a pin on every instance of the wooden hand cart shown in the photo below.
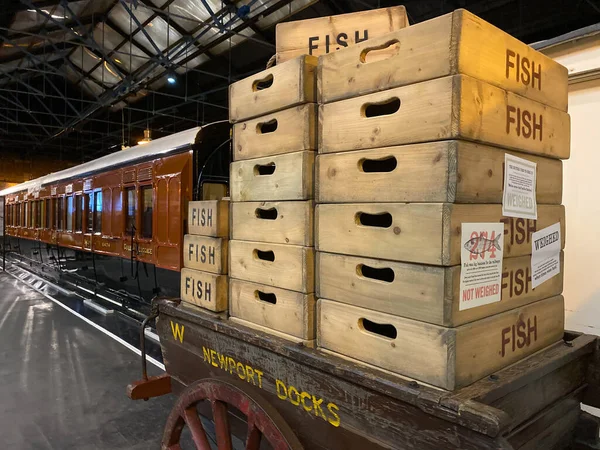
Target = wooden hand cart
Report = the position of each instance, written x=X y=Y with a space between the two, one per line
x=258 y=388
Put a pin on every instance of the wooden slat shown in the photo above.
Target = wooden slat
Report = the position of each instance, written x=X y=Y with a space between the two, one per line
x=426 y=293
x=207 y=254
x=270 y=331
x=454 y=107
x=287 y=267
x=276 y=222
x=447 y=357
x=289 y=177
x=427 y=233
x=445 y=171
x=208 y=218
x=287 y=131
x=456 y=43
x=279 y=87
x=204 y=289
x=286 y=311
x=323 y=35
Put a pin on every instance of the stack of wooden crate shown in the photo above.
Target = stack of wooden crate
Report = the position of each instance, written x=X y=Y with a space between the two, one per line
x=271 y=252
x=414 y=127
x=204 y=276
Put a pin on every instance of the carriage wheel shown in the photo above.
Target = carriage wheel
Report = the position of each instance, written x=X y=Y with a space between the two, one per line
x=264 y=422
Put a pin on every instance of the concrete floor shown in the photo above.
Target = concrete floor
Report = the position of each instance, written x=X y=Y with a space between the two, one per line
x=62 y=382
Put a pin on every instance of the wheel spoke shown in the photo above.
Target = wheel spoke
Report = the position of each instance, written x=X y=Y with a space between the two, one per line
x=194 y=423
x=223 y=433
x=254 y=435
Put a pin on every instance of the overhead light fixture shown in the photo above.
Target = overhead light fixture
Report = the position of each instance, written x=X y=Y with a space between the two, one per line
x=147 y=137
x=171 y=78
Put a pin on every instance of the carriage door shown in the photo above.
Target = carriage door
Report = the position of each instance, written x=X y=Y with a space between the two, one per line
x=88 y=215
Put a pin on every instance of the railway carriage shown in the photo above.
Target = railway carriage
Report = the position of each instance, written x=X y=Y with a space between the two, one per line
x=117 y=223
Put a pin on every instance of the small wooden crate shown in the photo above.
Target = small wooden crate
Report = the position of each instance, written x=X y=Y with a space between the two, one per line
x=286 y=311
x=287 y=131
x=279 y=87
x=273 y=178
x=426 y=293
x=285 y=266
x=449 y=358
x=207 y=254
x=454 y=107
x=276 y=222
x=208 y=218
x=204 y=289
x=456 y=43
x=428 y=233
x=328 y=34
x=445 y=171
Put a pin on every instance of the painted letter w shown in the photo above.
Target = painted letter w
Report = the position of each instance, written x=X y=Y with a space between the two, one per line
x=177 y=332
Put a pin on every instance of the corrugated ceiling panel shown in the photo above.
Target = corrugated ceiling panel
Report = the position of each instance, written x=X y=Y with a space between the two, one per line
x=128 y=56
x=121 y=18
x=194 y=10
x=161 y=34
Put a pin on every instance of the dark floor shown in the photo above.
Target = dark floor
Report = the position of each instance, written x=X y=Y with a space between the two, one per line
x=62 y=382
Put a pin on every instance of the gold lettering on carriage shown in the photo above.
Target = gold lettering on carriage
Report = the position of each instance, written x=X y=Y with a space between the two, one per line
x=309 y=402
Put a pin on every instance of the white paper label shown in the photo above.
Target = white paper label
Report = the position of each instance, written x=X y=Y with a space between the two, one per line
x=545 y=254
x=519 y=199
x=481 y=264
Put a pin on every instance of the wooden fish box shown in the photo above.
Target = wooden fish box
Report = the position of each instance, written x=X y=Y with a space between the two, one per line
x=273 y=178
x=426 y=293
x=282 y=86
x=323 y=35
x=208 y=218
x=286 y=311
x=204 y=289
x=445 y=171
x=456 y=43
x=287 y=131
x=285 y=266
x=454 y=107
x=207 y=254
x=276 y=222
x=428 y=233
x=448 y=358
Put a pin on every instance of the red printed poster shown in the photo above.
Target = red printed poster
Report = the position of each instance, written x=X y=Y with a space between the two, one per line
x=481 y=264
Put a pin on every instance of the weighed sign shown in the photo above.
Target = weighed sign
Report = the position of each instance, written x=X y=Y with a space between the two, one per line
x=328 y=34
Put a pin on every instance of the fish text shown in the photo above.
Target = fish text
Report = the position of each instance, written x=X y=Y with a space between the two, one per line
x=518 y=282
x=519 y=335
x=518 y=230
x=340 y=40
x=523 y=70
x=523 y=123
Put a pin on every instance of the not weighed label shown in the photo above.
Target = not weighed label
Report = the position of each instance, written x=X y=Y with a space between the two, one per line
x=481 y=264
x=519 y=199
x=545 y=254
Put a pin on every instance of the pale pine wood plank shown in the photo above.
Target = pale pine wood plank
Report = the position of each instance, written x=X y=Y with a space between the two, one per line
x=456 y=43
x=445 y=171
x=449 y=358
x=454 y=107
x=292 y=312
x=255 y=221
x=295 y=132
x=292 y=267
x=427 y=233
x=279 y=334
x=291 y=179
x=426 y=293
x=208 y=218
x=291 y=84
x=322 y=35
x=204 y=289
x=207 y=254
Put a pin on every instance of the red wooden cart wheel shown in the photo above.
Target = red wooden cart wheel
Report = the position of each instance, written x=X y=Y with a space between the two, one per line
x=264 y=422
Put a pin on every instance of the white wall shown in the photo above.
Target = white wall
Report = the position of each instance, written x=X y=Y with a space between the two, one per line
x=581 y=197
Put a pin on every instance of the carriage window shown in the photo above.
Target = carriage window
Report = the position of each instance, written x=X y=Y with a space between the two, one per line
x=58 y=213
x=70 y=208
x=79 y=212
x=47 y=214
x=98 y=212
x=147 y=202
x=89 y=201
x=130 y=208
x=38 y=214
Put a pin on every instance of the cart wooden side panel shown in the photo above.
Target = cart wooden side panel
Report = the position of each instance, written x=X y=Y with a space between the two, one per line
x=332 y=403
